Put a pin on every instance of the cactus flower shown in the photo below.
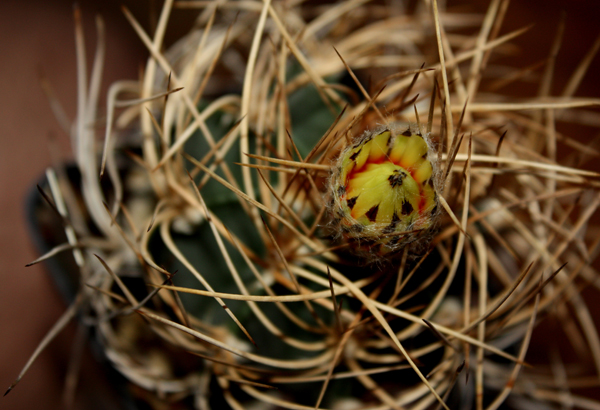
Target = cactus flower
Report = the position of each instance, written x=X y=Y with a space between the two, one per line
x=384 y=190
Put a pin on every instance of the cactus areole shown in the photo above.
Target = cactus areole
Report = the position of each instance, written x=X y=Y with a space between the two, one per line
x=383 y=190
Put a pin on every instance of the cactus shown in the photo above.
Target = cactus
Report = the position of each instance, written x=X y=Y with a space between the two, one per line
x=276 y=235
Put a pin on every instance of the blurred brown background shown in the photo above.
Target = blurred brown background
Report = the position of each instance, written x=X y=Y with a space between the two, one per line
x=37 y=36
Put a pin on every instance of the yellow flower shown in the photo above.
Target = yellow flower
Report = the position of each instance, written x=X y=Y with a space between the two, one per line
x=384 y=190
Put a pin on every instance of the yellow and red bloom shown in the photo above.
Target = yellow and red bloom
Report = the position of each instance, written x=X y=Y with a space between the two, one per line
x=384 y=190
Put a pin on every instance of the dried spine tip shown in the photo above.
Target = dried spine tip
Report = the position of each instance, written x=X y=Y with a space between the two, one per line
x=384 y=190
